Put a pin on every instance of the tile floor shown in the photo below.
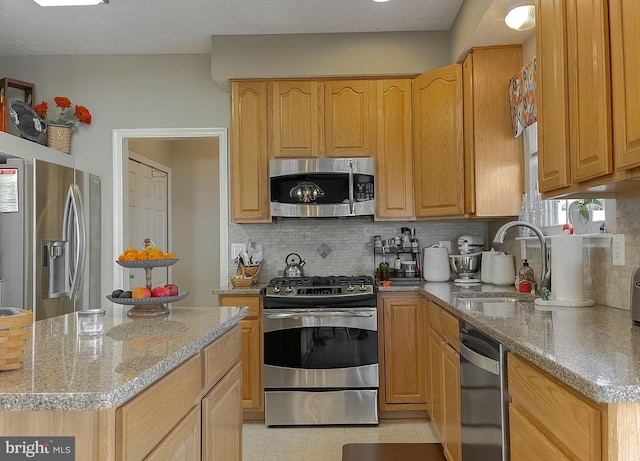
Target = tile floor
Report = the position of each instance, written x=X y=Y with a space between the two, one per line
x=321 y=443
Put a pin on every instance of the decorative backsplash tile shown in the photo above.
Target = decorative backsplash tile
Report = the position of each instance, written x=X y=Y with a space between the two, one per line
x=345 y=247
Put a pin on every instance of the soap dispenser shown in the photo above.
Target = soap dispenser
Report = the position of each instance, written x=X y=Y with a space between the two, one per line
x=635 y=296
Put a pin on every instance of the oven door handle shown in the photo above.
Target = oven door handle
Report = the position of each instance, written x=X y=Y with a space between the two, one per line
x=323 y=313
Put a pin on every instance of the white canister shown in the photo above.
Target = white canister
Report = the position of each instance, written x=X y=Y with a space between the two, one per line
x=504 y=270
x=486 y=269
x=435 y=264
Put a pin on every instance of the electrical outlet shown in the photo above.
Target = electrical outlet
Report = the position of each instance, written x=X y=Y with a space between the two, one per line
x=617 y=249
x=236 y=249
x=445 y=244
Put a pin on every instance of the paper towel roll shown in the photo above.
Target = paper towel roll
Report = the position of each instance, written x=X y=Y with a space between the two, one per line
x=567 y=276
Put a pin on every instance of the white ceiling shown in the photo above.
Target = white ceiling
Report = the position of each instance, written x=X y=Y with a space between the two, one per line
x=185 y=26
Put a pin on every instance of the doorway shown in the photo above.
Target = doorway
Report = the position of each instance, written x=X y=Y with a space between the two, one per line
x=121 y=187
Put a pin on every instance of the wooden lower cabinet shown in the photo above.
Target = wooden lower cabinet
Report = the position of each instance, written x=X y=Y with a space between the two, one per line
x=549 y=418
x=252 y=353
x=445 y=380
x=182 y=443
x=402 y=352
x=222 y=419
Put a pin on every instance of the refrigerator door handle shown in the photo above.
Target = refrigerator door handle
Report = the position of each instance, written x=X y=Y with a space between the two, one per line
x=75 y=233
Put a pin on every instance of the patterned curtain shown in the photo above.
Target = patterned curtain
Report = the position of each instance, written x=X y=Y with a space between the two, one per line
x=522 y=94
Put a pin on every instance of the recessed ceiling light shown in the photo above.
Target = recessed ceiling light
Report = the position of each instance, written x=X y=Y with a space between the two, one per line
x=521 y=17
x=69 y=2
x=380 y=1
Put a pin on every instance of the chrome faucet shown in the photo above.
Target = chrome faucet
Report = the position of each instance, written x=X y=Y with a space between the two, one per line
x=545 y=277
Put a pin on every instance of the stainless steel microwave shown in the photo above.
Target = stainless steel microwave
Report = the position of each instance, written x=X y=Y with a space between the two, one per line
x=322 y=187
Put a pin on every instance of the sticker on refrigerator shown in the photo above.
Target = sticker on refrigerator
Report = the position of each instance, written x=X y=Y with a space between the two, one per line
x=8 y=190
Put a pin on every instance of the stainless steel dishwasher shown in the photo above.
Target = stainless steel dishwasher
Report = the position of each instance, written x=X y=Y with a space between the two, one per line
x=483 y=396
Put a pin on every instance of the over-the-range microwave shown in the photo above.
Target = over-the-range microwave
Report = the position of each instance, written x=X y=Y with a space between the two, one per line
x=322 y=187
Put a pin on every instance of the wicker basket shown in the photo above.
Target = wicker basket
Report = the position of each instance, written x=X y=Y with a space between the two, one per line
x=59 y=137
x=15 y=329
x=247 y=276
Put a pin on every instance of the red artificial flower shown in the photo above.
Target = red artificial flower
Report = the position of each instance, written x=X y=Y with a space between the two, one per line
x=41 y=109
x=62 y=102
x=83 y=114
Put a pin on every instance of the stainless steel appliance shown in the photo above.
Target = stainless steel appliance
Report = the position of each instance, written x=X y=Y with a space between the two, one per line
x=325 y=187
x=320 y=351
x=49 y=237
x=483 y=396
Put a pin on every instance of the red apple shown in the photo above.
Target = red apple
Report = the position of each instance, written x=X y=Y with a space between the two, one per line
x=160 y=292
x=173 y=288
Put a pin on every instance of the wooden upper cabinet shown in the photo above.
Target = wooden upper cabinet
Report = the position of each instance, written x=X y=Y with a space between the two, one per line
x=574 y=91
x=624 y=17
x=552 y=95
x=297 y=118
x=394 y=156
x=438 y=143
x=494 y=174
x=249 y=161
x=589 y=89
x=349 y=118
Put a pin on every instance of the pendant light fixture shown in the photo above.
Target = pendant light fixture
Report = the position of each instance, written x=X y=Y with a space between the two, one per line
x=69 y=2
x=521 y=17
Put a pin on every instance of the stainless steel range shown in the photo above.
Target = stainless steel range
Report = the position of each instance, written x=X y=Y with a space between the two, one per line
x=320 y=351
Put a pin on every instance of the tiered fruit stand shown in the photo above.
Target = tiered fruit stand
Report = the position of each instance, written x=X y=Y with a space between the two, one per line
x=148 y=307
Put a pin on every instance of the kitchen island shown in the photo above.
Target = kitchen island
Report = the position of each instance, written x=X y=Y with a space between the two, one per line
x=146 y=388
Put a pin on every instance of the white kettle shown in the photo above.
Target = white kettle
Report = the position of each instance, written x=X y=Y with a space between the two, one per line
x=435 y=264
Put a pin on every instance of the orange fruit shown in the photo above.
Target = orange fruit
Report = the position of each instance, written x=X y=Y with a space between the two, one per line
x=141 y=256
x=121 y=258
x=154 y=255
x=130 y=257
x=141 y=292
x=130 y=250
x=169 y=256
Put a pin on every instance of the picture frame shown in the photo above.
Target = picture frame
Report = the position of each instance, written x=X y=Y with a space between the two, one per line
x=12 y=89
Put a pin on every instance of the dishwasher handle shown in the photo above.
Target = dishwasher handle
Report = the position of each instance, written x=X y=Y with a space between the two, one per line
x=479 y=360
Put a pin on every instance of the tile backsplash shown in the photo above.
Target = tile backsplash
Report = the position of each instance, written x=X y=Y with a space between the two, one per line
x=344 y=246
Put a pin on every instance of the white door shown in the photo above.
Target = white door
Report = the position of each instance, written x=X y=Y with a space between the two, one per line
x=148 y=215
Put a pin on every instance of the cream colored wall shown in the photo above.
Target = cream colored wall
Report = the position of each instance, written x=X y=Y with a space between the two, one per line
x=465 y=26
x=196 y=218
x=158 y=150
x=304 y=55
x=149 y=91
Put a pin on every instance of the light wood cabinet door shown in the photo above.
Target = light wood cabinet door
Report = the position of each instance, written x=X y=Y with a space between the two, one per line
x=494 y=173
x=394 y=156
x=624 y=17
x=182 y=443
x=569 y=420
x=589 y=89
x=451 y=398
x=552 y=95
x=527 y=443
x=297 y=117
x=252 y=389
x=252 y=349
x=222 y=419
x=438 y=143
x=436 y=389
x=249 y=163
x=349 y=118
x=404 y=360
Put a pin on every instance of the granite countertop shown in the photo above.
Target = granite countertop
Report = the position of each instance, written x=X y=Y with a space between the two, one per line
x=66 y=371
x=595 y=350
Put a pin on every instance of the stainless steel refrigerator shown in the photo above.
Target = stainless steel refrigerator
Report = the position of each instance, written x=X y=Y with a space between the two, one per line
x=49 y=238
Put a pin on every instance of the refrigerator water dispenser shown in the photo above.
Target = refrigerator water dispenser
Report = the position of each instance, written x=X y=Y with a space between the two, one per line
x=54 y=269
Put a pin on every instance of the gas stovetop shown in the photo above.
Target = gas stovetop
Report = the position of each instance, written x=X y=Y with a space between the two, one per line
x=319 y=290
